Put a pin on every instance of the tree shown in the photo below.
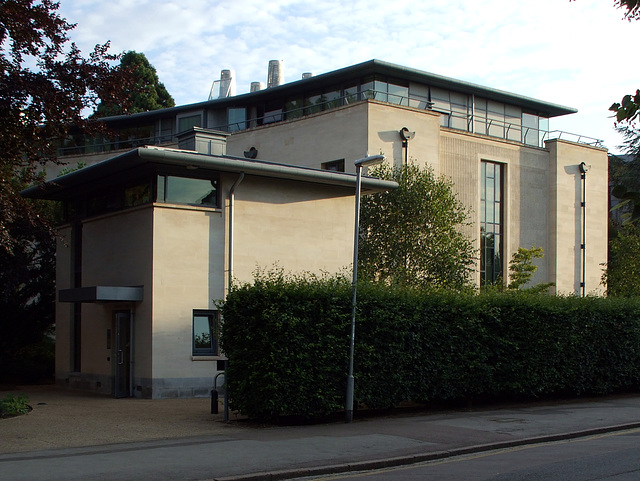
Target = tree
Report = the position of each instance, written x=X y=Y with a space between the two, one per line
x=411 y=235
x=45 y=88
x=628 y=108
x=622 y=273
x=27 y=299
x=522 y=269
x=632 y=7
x=144 y=91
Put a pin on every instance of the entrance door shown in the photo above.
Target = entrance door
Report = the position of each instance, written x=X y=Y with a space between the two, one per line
x=122 y=354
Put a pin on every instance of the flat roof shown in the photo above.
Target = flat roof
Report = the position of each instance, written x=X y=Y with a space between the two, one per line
x=122 y=166
x=352 y=72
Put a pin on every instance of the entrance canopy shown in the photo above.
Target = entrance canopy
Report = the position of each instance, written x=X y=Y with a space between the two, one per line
x=102 y=294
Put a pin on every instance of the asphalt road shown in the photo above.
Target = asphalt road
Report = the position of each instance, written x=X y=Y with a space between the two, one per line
x=610 y=457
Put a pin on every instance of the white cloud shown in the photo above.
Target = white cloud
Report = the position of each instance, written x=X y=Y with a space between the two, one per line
x=571 y=53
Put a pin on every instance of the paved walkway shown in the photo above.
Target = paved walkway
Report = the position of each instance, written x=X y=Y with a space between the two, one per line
x=71 y=435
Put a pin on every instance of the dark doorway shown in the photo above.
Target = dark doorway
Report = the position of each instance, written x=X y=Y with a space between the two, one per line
x=122 y=354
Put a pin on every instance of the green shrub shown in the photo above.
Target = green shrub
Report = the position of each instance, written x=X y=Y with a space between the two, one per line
x=287 y=340
x=14 y=405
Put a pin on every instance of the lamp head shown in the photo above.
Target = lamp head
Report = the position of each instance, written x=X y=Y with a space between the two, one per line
x=369 y=161
x=584 y=168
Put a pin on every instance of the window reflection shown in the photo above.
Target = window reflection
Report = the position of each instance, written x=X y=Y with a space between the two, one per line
x=491 y=222
x=183 y=190
x=205 y=333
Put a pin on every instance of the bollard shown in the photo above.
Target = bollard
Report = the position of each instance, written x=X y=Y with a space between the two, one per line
x=214 y=401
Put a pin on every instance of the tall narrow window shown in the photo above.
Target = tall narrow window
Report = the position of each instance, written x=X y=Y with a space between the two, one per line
x=491 y=222
x=205 y=333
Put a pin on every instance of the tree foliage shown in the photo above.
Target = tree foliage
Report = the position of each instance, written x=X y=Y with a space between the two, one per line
x=411 y=235
x=622 y=273
x=143 y=91
x=45 y=87
x=522 y=269
x=27 y=299
x=628 y=108
x=632 y=8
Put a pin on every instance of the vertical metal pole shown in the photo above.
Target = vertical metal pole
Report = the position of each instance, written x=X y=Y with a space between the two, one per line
x=583 y=246
x=356 y=233
x=131 y=351
x=226 y=392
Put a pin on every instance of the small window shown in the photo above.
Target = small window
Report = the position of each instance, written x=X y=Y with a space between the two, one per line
x=334 y=165
x=184 y=190
x=188 y=122
x=205 y=333
x=237 y=119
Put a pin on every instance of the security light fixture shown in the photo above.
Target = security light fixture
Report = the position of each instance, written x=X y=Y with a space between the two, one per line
x=252 y=153
x=406 y=134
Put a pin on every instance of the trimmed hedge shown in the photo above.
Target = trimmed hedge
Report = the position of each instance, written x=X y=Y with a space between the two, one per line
x=287 y=340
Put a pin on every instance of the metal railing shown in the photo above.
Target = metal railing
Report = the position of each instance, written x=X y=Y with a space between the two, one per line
x=580 y=139
x=489 y=127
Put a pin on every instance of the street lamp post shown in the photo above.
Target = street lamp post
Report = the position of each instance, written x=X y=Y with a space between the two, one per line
x=364 y=162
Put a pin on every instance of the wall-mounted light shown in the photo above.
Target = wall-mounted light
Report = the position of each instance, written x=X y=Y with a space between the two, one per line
x=584 y=168
x=406 y=135
x=252 y=153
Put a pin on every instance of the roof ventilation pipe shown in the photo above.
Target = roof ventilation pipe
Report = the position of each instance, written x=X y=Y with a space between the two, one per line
x=275 y=75
x=307 y=75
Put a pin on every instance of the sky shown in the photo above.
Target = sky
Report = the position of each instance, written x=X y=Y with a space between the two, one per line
x=579 y=54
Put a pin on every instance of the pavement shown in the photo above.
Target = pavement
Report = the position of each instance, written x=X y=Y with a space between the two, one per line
x=70 y=435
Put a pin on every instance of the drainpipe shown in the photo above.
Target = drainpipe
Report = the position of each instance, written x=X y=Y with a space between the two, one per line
x=232 y=193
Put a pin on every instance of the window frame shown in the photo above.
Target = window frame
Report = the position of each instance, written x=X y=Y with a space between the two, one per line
x=213 y=316
x=164 y=194
x=188 y=115
x=491 y=216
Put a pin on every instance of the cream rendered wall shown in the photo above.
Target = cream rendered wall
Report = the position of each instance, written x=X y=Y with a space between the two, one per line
x=116 y=252
x=565 y=214
x=384 y=124
x=64 y=311
x=298 y=227
x=308 y=141
x=349 y=133
x=526 y=183
x=188 y=274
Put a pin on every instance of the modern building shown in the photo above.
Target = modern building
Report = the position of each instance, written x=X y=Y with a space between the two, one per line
x=524 y=186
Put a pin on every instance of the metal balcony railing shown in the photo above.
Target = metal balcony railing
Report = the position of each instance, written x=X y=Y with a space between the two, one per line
x=449 y=118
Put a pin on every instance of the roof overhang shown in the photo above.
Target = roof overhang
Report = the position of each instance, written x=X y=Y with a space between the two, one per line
x=370 y=67
x=102 y=294
x=126 y=165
